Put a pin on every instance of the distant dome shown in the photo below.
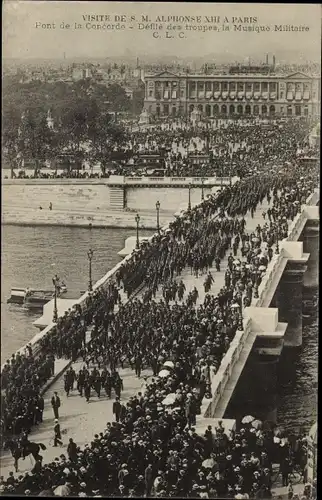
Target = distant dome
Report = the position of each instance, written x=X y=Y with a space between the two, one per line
x=313 y=434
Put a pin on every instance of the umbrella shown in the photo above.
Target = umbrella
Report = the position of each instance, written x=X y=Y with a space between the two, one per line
x=169 y=399
x=164 y=373
x=209 y=463
x=257 y=424
x=170 y=364
x=236 y=262
x=46 y=493
x=248 y=419
x=235 y=306
x=262 y=268
x=62 y=491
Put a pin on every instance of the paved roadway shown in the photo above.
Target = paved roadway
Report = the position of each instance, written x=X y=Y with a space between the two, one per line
x=78 y=419
x=81 y=420
x=192 y=281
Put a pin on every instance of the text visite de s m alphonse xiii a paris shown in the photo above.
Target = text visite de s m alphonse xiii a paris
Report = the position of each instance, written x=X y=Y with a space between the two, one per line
x=171 y=26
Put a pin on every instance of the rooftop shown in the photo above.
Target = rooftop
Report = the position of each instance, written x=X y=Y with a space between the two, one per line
x=226 y=74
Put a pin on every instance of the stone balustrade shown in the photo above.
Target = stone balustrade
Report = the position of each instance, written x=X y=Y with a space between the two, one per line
x=123 y=180
x=221 y=378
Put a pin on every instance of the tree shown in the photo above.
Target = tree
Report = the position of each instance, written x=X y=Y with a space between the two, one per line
x=138 y=100
x=104 y=134
x=35 y=139
x=118 y=99
x=79 y=112
x=10 y=131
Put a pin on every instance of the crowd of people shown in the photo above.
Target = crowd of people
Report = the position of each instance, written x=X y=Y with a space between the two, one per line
x=153 y=448
x=234 y=148
x=22 y=379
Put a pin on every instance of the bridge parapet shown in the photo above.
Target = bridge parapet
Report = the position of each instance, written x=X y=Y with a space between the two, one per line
x=308 y=211
x=224 y=375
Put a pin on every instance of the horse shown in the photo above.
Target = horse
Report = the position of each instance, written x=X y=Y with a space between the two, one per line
x=30 y=448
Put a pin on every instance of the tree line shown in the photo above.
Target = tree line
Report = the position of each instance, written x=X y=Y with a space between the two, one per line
x=84 y=127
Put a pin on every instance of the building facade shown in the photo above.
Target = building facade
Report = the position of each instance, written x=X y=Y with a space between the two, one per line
x=168 y=94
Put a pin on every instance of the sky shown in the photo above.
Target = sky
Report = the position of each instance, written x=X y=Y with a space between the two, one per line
x=34 y=29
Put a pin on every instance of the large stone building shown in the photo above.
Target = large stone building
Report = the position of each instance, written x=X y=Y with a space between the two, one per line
x=296 y=94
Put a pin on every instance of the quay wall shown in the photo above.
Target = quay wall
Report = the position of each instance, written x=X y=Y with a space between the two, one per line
x=81 y=202
x=23 y=216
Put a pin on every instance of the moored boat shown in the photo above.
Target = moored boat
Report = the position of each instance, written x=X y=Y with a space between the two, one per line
x=31 y=298
x=36 y=299
x=17 y=296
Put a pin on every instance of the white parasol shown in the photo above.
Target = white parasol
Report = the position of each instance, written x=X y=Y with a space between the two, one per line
x=257 y=424
x=208 y=463
x=262 y=268
x=164 y=373
x=235 y=306
x=169 y=399
x=170 y=364
x=62 y=491
x=236 y=262
x=248 y=419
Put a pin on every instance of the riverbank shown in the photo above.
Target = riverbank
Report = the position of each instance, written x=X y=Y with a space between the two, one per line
x=26 y=216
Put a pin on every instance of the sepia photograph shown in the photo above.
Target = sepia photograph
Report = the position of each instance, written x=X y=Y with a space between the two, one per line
x=160 y=249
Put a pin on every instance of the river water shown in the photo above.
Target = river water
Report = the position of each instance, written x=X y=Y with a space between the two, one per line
x=31 y=256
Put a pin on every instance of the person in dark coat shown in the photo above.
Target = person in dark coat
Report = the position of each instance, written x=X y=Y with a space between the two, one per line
x=72 y=450
x=57 y=437
x=148 y=476
x=108 y=385
x=55 y=403
x=117 y=409
x=80 y=381
x=87 y=390
x=41 y=407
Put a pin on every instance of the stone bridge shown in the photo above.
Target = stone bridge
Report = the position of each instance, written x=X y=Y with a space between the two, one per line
x=274 y=319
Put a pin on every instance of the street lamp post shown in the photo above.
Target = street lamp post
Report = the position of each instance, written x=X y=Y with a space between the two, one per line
x=157 y=206
x=189 y=199
x=202 y=189
x=55 y=313
x=90 y=257
x=137 y=220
